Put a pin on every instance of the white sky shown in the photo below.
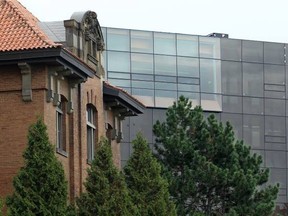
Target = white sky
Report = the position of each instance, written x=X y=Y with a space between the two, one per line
x=263 y=20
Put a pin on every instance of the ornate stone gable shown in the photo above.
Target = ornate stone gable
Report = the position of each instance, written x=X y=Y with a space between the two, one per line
x=84 y=38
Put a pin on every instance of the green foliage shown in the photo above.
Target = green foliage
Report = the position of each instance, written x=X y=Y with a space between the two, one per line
x=40 y=186
x=1 y=205
x=106 y=191
x=210 y=172
x=148 y=190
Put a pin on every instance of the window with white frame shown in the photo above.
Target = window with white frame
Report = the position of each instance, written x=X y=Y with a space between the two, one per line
x=91 y=131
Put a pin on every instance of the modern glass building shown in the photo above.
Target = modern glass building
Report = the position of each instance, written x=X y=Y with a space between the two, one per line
x=240 y=81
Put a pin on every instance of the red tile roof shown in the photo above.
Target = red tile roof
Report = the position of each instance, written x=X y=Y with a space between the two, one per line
x=19 y=29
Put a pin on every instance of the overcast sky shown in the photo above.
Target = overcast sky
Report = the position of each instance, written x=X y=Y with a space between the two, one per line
x=263 y=20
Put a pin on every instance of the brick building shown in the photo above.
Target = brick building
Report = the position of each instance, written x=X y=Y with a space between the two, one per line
x=61 y=82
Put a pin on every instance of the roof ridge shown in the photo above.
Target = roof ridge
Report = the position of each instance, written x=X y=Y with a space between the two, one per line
x=31 y=20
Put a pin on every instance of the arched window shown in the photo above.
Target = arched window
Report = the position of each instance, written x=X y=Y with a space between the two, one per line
x=91 y=119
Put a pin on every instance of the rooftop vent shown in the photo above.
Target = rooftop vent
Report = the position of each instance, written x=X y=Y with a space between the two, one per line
x=218 y=35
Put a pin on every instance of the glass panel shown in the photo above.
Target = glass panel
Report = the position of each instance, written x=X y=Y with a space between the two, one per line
x=230 y=49
x=253 y=79
x=146 y=96
x=273 y=87
x=141 y=41
x=274 y=107
x=188 y=67
x=253 y=105
x=187 y=45
x=165 y=65
x=211 y=102
x=209 y=47
x=142 y=63
x=119 y=75
x=275 y=159
x=210 y=76
x=274 y=74
x=193 y=97
x=253 y=131
x=166 y=86
x=185 y=87
x=125 y=151
x=142 y=84
x=104 y=62
x=194 y=81
x=252 y=51
x=232 y=104
x=165 y=98
x=164 y=43
x=275 y=146
x=231 y=78
x=236 y=122
x=278 y=176
x=118 y=61
x=165 y=78
x=142 y=77
x=126 y=130
x=120 y=82
x=275 y=94
x=274 y=139
x=159 y=114
x=118 y=39
x=274 y=126
x=274 y=53
x=144 y=124
x=104 y=33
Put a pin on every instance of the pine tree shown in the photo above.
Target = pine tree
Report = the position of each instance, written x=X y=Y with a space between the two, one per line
x=210 y=172
x=148 y=189
x=40 y=186
x=1 y=206
x=106 y=192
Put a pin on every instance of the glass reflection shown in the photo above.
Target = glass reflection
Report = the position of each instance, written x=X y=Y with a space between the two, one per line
x=141 y=41
x=165 y=65
x=187 y=45
x=188 y=67
x=118 y=39
x=165 y=98
x=141 y=63
x=118 y=61
x=209 y=47
x=210 y=76
x=164 y=43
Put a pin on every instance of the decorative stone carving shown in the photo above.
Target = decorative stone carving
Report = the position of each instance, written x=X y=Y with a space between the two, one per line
x=92 y=29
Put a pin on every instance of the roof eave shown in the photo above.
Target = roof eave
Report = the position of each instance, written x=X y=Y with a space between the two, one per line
x=47 y=55
x=111 y=95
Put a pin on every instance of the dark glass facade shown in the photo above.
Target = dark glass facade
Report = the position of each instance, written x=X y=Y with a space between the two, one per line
x=240 y=81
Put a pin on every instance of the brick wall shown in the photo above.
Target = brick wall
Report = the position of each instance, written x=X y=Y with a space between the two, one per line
x=16 y=116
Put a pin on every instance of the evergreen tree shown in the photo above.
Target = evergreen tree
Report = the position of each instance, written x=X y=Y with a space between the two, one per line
x=40 y=186
x=1 y=206
x=148 y=190
x=106 y=192
x=210 y=172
